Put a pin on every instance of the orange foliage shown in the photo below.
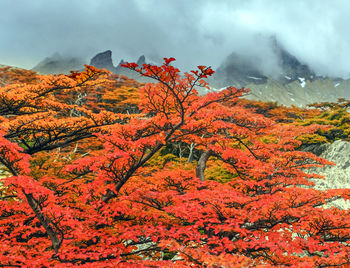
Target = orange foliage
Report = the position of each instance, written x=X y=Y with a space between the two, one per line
x=85 y=187
x=10 y=75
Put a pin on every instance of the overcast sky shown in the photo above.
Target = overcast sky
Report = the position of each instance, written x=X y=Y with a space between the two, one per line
x=194 y=31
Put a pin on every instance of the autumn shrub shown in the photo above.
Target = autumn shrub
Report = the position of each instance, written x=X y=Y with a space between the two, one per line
x=94 y=185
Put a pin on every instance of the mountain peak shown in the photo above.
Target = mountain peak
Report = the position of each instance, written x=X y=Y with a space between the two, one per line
x=241 y=69
x=57 y=64
x=292 y=68
x=103 y=60
x=141 y=60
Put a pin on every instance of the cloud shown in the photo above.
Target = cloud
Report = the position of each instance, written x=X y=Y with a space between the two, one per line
x=195 y=32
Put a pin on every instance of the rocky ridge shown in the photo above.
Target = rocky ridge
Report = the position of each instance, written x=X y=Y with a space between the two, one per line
x=291 y=83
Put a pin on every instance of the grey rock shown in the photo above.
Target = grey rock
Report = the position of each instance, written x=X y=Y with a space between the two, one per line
x=141 y=60
x=132 y=74
x=338 y=176
x=316 y=149
x=103 y=60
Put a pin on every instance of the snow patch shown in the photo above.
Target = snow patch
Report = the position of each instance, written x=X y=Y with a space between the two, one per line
x=214 y=89
x=337 y=84
x=255 y=78
x=302 y=81
x=287 y=77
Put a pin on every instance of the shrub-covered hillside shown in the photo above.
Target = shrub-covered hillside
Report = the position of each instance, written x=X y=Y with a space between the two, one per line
x=102 y=171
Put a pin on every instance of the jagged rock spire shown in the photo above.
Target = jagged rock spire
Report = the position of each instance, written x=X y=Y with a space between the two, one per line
x=103 y=60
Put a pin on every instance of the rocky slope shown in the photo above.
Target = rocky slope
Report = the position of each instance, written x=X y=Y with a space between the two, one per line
x=300 y=92
x=338 y=176
x=291 y=69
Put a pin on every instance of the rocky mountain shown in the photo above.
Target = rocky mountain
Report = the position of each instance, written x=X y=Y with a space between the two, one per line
x=291 y=68
x=287 y=81
x=238 y=70
x=293 y=84
x=131 y=74
x=243 y=69
x=103 y=60
x=57 y=64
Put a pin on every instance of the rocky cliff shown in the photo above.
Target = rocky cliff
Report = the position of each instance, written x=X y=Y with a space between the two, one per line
x=337 y=176
x=103 y=60
x=131 y=74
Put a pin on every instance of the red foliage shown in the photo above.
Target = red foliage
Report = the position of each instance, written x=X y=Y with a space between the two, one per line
x=82 y=190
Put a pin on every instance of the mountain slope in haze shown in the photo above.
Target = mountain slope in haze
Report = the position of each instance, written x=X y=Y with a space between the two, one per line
x=291 y=68
x=292 y=83
x=242 y=69
x=238 y=70
x=57 y=64
x=284 y=79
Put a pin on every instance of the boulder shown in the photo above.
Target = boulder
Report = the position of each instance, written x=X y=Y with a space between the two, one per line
x=338 y=176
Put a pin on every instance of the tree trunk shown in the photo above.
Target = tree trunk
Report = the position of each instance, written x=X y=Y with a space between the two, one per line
x=45 y=222
x=190 y=155
x=202 y=164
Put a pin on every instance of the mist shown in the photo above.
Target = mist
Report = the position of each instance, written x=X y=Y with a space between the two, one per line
x=196 y=32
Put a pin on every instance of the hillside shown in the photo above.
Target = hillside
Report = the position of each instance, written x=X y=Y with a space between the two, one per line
x=101 y=166
x=300 y=92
